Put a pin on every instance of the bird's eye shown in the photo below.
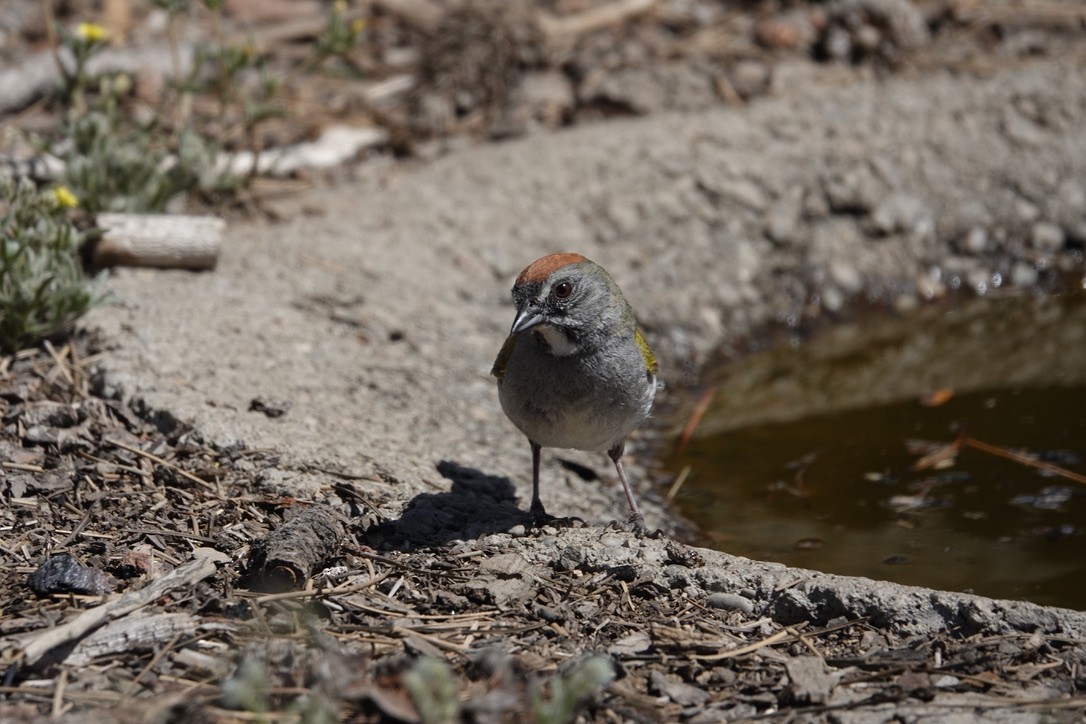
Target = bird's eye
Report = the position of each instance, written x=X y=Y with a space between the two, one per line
x=562 y=290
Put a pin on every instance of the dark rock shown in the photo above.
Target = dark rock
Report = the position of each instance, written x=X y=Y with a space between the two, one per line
x=62 y=573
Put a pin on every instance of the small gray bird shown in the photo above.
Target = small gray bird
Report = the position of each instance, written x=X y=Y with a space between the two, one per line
x=575 y=371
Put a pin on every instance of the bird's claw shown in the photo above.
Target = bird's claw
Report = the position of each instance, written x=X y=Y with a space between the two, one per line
x=541 y=518
x=635 y=524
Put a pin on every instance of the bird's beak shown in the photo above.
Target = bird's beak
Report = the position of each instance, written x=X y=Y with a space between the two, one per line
x=528 y=316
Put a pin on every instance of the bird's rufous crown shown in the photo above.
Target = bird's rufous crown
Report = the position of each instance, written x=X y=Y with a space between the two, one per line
x=542 y=268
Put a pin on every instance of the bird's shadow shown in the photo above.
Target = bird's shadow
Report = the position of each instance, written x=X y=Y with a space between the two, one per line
x=477 y=505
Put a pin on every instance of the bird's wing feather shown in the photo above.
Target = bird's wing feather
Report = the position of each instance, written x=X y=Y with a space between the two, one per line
x=651 y=365
x=498 y=370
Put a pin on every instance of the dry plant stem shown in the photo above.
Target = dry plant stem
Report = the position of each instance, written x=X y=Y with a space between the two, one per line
x=749 y=648
x=51 y=35
x=1009 y=455
x=947 y=452
x=695 y=418
x=160 y=461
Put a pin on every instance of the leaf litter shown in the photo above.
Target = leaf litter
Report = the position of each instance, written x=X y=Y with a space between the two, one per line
x=204 y=604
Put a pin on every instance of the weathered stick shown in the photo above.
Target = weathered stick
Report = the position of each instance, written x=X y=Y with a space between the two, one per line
x=336 y=145
x=560 y=29
x=163 y=241
x=138 y=632
x=291 y=553
x=200 y=567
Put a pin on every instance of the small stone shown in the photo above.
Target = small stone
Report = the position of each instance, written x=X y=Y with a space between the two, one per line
x=547 y=97
x=906 y=302
x=62 y=573
x=782 y=222
x=901 y=212
x=1046 y=237
x=978 y=279
x=729 y=602
x=1027 y=210
x=749 y=78
x=846 y=276
x=679 y=692
x=832 y=299
x=518 y=531
x=1023 y=275
x=945 y=681
x=505 y=565
x=976 y=241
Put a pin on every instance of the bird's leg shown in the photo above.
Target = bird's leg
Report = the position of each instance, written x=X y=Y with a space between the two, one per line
x=636 y=522
x=539 y=515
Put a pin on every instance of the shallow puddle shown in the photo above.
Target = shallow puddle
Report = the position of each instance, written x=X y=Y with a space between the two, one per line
x=806 y=454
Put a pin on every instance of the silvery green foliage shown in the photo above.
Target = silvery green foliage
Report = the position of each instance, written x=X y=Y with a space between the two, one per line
x=568 y=689
x=434 y=691
x=247 y=688
x=42 y=287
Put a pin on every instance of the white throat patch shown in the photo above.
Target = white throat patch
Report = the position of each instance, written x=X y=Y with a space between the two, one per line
x=556 y=340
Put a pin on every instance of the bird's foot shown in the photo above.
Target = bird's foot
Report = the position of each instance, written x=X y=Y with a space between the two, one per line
x=635 y=524
x=541 y=518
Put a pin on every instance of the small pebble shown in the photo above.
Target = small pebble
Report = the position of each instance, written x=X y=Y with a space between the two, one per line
x=1046 y=237
x=729 y=602
x=976 y=241
x=518 y=531
x=1023 y=275
x=945 y=682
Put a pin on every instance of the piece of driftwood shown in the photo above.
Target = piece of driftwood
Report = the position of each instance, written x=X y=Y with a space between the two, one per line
x=427 y=16
x=291 y=553
x=561 y=29
x=137 y=633
x=200 y=567
x=335 y=145
x=158 y=240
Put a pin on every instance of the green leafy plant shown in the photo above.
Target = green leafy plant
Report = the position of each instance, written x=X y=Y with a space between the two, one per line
x=434 y=691
x=247 y=688
x=114 y=167
x=570 y=688
x=42 y=287
x=113 y=162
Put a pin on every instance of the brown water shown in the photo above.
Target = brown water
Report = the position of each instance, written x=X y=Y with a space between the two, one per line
x=805 y=455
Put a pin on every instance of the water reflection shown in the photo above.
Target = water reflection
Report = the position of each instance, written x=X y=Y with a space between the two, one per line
x=805 y=456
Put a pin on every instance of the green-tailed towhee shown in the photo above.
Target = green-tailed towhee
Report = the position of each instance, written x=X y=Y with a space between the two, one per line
x=575 y=371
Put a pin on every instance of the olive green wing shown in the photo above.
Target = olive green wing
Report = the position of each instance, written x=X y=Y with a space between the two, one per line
x=498 y=370
x=651 y=365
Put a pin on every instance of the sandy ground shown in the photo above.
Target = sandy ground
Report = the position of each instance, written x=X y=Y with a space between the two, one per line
x=376 y=310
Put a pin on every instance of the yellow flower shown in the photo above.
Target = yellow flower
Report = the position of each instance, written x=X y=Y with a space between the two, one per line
x=91 y=33
x=358 y=25
x=64 y=197
x=339 y=7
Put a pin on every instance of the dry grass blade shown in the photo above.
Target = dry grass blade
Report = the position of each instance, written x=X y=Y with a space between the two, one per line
x=939 y=456
x=674 y=489
x=749 y=648
x=1024 y=459
x=695 y=418
x=164 y=463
